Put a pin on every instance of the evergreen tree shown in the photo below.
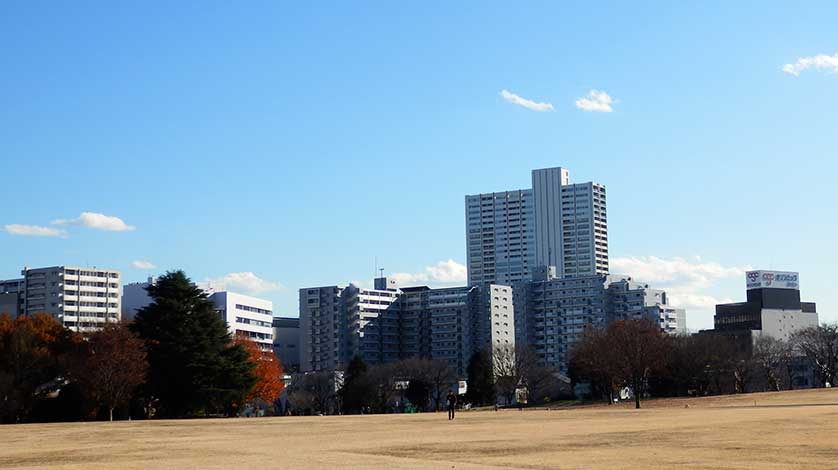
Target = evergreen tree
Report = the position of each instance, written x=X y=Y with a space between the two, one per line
x=195 y=368
x=357 y=392
x=481 y=383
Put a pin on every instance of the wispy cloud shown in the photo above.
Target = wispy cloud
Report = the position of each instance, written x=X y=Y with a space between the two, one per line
x=529 y=104
x=97 y=221
x=34 y=231
x=141 y=264
x=596 y=101
x=443 y=273
x=244 y=282
x=689 y=283
x=828 y=63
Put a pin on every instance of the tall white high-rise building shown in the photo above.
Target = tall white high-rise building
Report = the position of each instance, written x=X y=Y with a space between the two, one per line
x=556 y=223
x=500 y=231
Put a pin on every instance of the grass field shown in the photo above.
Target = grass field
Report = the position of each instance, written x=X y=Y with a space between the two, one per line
x=770 y=430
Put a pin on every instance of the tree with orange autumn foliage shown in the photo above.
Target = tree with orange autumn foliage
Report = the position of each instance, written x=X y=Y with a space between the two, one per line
x=30 y=350
x=268 y=372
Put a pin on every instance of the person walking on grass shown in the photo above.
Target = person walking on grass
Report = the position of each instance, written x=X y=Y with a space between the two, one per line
x=451 y=400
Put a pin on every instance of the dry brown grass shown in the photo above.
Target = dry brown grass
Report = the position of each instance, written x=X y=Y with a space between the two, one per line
x=765 y=431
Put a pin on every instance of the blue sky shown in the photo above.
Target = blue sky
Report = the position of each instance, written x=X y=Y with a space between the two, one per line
x=293 y=145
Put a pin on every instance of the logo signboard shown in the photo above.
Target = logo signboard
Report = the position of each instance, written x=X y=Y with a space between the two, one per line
x=772 y=280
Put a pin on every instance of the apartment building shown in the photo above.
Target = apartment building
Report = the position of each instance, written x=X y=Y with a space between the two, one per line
x=554 y=313
x=81 y=299
x=555 y=223
x=387 y=323
x=134 y=297
x=500 y=237
x=12 y=294
x=246 y=316
x=632 y=300
x=286 y=342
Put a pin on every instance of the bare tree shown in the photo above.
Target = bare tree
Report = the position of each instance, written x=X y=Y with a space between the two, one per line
x=382 y=378
x=312 y=391
x=321 y=385
x=590 y=360
x=440 y=376
x=640 y=350
x=820 y=345
x=299 y=396
x=534 y=377
x=771 y=357
x=506 y=372
x=113 y=366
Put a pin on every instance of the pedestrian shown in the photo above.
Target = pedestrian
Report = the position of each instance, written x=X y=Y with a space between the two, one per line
x=451 y=399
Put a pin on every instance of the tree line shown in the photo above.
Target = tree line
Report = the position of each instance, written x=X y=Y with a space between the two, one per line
x=176 y=359
x=421 y=384
x=635 y=354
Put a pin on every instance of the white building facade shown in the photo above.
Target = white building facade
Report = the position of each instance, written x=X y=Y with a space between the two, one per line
x=81 y=299
x=246 y=316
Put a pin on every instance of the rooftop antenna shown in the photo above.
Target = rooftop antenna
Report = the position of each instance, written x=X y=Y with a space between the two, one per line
x=382 y=272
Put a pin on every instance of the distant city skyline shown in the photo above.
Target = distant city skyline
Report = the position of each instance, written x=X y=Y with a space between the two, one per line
x=284 y=146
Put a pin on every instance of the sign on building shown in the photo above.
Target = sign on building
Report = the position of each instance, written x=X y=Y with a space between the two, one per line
x=772 y=280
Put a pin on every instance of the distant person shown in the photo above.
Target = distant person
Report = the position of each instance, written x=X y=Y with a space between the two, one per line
x=451 y=399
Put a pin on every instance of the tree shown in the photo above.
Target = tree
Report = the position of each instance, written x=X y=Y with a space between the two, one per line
x=268 y=372
x=481 y=383
x=418 y=390
x=300 y=398
x=113 y=364
x=820 y=345
x=357 y=392
x=640 y=349
x=382 y=380
x=505 y=371
x=535 y=378
x=31 y=348
x=591 y=361
x=195 y=368
x=772 y=357
x=440 y=376
x=313 y=391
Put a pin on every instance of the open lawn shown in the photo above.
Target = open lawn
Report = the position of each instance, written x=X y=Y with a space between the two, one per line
x=769 y=430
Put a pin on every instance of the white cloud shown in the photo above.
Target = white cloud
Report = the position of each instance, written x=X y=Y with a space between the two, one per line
x=244 y=282
x=529 y=104
x=688 y=283
x=825 y=62
x=596 y=101
x=140 y=264
x=97 y=221
x=34 y=231
x=443 y=273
